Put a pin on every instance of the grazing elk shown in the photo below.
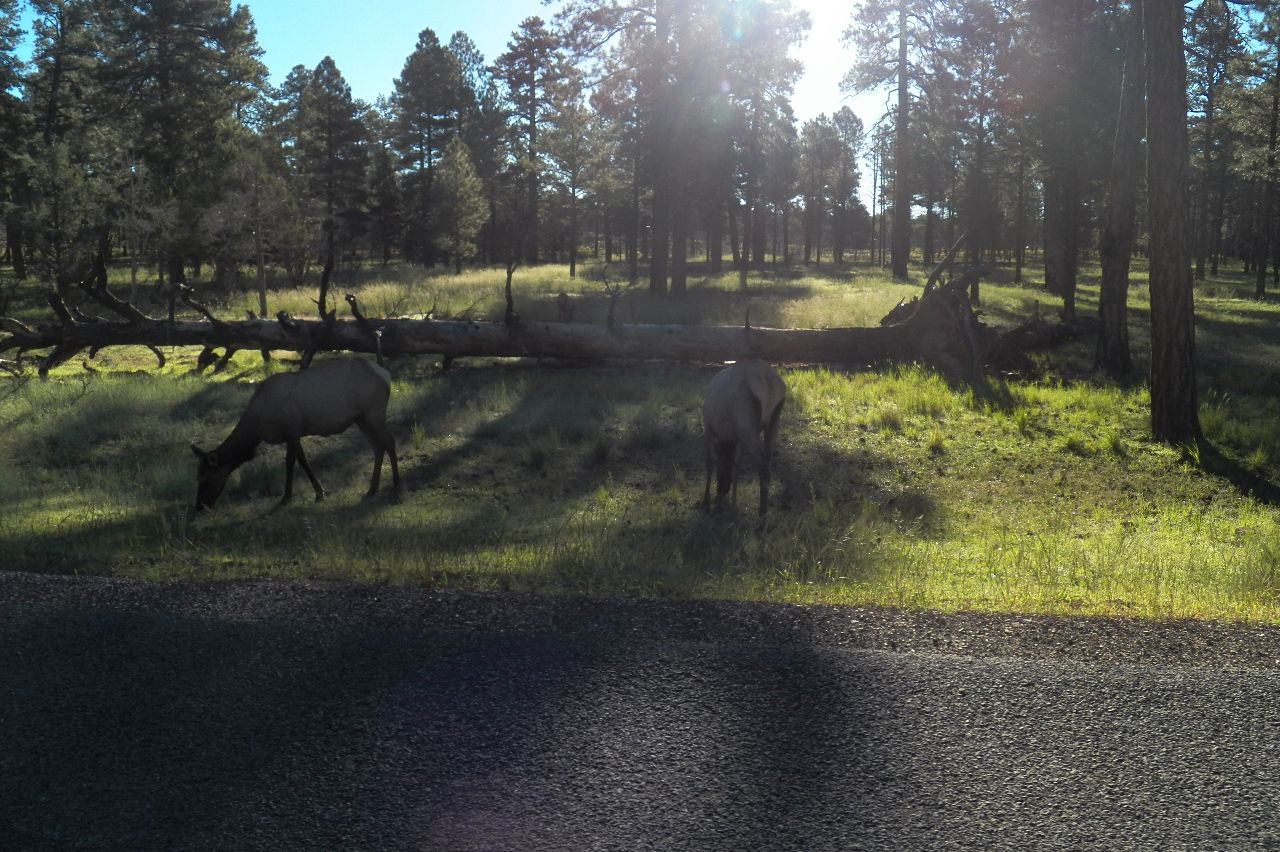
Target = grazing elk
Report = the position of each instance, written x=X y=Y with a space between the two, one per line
x=326 y=399
x=743 y=405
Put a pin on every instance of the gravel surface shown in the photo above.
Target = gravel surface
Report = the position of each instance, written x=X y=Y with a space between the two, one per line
x=273 y=715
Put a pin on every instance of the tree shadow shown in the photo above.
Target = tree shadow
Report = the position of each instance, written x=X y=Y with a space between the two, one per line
x=528 y=453
x=1249 y=482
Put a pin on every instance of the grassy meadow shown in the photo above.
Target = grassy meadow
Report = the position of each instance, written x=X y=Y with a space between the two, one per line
x=891 y=487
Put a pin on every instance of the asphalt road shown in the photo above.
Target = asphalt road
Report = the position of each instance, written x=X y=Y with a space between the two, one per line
x=269 y=716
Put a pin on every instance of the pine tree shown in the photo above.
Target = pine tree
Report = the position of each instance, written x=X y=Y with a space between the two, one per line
x=180 y=72
x=332 y=149
x=68 y=164
x=1174 y=408
x=459 y=209
x=531 y=67
x=425 y=105
x=569 y=141
x=332 y=157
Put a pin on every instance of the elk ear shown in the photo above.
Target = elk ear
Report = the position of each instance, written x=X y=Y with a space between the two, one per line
x=199 y=453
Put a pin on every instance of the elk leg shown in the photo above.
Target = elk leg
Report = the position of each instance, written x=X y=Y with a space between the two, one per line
x=306 y=468
x=754 y=456
x=708 y=446
x=376 y=479
x=746 y=425
x=395 y=465
x=725 y=452
x=766 y=457
x=290 y=456
x=383 y=443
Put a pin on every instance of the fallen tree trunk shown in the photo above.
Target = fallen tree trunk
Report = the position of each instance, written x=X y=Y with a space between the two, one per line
x=939 y=329
x=916 y=339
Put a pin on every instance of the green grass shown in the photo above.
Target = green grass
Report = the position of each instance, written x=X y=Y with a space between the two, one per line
x=891 y=487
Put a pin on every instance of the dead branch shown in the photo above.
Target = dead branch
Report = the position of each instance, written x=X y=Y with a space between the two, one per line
x=319 y=338
x=96 y=288
x=374 y=332
x=60 y=355
x=185 y=293
x=942 y=267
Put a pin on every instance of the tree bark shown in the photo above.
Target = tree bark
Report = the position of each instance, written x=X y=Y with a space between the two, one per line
x=735 y=245
x=14 y=237
x=1020 y=217
x=715 y=236
x=679 y=238
x=1174 y=414
x=659 y=235
x=786 y=233
x=1061 y=226
x=633 y=229
x=1116 y=242
x=1263 y=240
x=901 y=147
x=660 y=151
x=573 y=230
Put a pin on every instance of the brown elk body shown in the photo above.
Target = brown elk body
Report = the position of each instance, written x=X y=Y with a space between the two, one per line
x=742 y=409
x=329 y=398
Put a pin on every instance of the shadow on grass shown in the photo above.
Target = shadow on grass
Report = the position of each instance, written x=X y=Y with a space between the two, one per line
x=1247 y=481
x=582 y=480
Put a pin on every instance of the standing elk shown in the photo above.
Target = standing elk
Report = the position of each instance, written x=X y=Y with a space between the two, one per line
x=326 y=399
x=743 y=406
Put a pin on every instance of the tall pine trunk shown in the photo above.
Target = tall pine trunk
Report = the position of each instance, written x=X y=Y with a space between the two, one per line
x=715 y=236
x=679 y=238
x=659 y=237
x=633 y=230
x=1020 y=217
x=1174 y=415
x=1116 y=242
x=573 y=235
x=901 y=166
x=1263 y=241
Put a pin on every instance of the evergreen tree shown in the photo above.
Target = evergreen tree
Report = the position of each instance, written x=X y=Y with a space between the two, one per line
x=425 y=104
x=383 y=186
x=1214 y=48
x=969 y=63
x=820 y=147
x=181 y=72
x=531 y=67
x=68 y=187
x=459 y=209
x=568 y=141
x=891 y=45
x=483 y=120
x=332 y=151
x=1060 y=61
x=846 y=179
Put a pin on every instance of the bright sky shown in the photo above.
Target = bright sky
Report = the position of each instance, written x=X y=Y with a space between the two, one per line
x=370 y=41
